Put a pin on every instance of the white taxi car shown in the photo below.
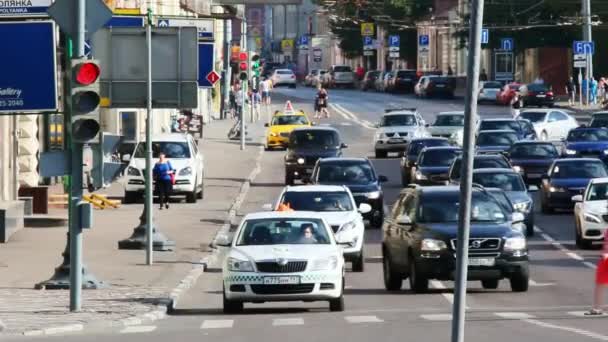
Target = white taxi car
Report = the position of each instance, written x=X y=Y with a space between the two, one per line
x=337 y=206
x=395 y=130
x=591 y=213
x=283 y=256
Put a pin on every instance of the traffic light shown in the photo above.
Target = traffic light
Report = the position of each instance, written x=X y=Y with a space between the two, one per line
x=85 y=100
x=243 y=65
x=255 y=65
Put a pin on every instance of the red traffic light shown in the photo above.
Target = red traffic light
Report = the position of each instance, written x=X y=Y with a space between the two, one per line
x=243 y=66
x=87 y=73
x=243 y=56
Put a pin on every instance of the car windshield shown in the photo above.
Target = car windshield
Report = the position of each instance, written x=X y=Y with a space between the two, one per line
x=496 y=139
x=588 y=135
x=579 y=169
x=172 y=149
x=404 y=74
x=360 y=173
x=416 y=146
x=502 y=199
x=450 y=120
x=502 y=180
x=283 y=231
x=534 y=117
x=438 y=157
x=600 y=122
x=537 y=87
x=342 y=69
x=289 y=120
x=493 y=125
x=444 y=208
x=533 y=151
x=398 y=120
x=480 y=163
x=318 y=201
x=598 y=192
x=492 y=85
x=314 y=139
x=284 y=72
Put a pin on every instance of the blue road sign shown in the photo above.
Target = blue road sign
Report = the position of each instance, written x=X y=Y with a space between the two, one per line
x=28 y=68
x=125 y=21
x=583 y=48
x=163 y=23
x=304 y=40
x=368 y=41
x=393 y=41
x=88 y=49
x=506 y=44
x=205 y=63
x=24 y=8
x=485 y=36
x=423 y=40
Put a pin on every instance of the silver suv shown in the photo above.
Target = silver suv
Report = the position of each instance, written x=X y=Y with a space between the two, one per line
x=396 y=129
x=342 y=75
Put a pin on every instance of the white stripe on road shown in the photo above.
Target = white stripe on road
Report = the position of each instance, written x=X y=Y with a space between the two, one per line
x=535 y=284
x=362 y=319
x=351 y=116
x=562 y=248
x=437 y=317
x=217 y=324
x=577 y=331
x=513 y=315
x=138 y=329
x=436 y=284
x=277 y=322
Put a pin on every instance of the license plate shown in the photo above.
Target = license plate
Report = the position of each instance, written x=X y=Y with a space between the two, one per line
x=395 y=141
x=541 y=95
x=441 y=86
x=481 y=262
x=281 y=280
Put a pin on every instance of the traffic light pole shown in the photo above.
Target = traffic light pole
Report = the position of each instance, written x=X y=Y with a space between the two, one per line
x=587 y=36
x=149 y=209
x=227 y=69
x=243 y=84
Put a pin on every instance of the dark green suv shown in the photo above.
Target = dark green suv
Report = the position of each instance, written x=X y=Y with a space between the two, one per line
x=420 y=239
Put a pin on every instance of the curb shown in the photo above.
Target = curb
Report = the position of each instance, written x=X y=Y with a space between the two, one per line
x=166 y=306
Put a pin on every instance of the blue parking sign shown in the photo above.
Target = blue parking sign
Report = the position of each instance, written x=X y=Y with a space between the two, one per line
x=393 y=41
x=368 y=41
x=423 y=40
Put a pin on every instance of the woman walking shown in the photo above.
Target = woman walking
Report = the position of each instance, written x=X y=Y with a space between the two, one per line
x=321 y=103
x=164 y=174
x=601 y=280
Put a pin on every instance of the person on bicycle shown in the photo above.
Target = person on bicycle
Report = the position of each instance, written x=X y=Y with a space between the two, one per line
x=321 y=103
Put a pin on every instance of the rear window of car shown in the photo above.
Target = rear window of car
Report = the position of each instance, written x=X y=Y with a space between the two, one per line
x=342 y=69
x=537 y=87
x=284 y=72
x=406 y=73
x=480 y=163
x=492 y=85
x=439 y=79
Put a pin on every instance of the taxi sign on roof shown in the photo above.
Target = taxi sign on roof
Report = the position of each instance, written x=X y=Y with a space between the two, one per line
x=288 y=108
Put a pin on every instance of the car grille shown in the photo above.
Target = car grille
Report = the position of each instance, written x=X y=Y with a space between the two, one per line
x=282 y=289
x=396 y=134
x=442 y=135
x=274 y=267
x=284 y=134
x=480 y=244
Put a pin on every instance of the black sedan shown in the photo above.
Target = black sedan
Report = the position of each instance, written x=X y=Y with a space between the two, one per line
x=532 y=159
x=495 y=141
x=411 y=155
x=433 y=165
x=537 y=94
x=523 y=128
x=484 y=161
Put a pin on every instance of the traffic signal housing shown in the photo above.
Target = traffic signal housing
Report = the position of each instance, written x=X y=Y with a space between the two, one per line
x=85 y=100
x=243 y=65
x=255 y=65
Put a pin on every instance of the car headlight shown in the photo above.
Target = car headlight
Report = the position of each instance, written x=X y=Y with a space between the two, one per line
x=420 y=176
x=432 y=245
x=131 y=171
x=605 y=151
x=592 y=218
x=348 y=226
x=518 y=168
x=556 y=189
x=273 y=134
x=570 y=152
x=379 y=136
x=522 y=206
x=325 y=264
x=237 y=265
x=187 y=171
x=373 y=195
x=515 y=244
x=300 y=161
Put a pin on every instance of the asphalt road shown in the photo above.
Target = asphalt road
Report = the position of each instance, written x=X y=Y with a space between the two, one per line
x=561 y=286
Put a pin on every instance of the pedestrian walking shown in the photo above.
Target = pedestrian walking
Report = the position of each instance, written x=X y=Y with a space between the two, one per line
x=164 y=174
x=593 y=90
x=239 y=103
x=360 y=72
x=256 y=100
x=571 y=91
x=321 y=103
x=265 y=87
x=601 y=280
x=450 y=71
x=483 y=76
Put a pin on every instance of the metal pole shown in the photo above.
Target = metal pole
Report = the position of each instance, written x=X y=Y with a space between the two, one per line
x=243 y=83
x=227 y=69
x=15 y=160
x=580 y=86
x=587 y=37
x=149 y=208
x=464 y=217
x=76 y=185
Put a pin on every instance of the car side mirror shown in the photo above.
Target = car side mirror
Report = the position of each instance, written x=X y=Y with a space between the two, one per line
x=126 y=158
x=404 y=220
x=517 y=217
x=266 y=125
x=313 y=123
x=577 y=198
x=343 y=145
x=223 y=241
x=382 y=179
x=267 y=207
x=365 y=208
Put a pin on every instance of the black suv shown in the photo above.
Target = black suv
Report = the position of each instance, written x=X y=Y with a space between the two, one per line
x=420 y=240
x=306 y=146
x=480 y=161
x=359 y=175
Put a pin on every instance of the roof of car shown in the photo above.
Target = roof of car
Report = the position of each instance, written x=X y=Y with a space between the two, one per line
x=599 y=180
x=496 y=131
x=400 y=112
x=575 y=160
x=532 y=142
x=316 y=128
x=170 y=137
x=316 y=188
x=438 y=189
x=283 y=70
x=439 y=148
x=282 y=214
x=493 y=170
x=600 y=113
x=543 y=110
x=457 y=112
x=428 y=139
x=581 y=128
x=498 y=119
x=486 y=156
x=343 y=160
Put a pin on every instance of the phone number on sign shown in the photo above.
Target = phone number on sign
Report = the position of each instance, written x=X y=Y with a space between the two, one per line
x=11 y=103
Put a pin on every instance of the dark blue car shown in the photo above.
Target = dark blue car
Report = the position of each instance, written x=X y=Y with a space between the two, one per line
x=532 y=159
x=587 y=142
x=495 y=141
x=411 y=155
x=523 y=128
x=566 y=178
x=433 y=165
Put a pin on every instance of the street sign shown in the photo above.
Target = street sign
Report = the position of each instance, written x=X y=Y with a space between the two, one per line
x=393 y=54
x=28 y=81
x=485 y=36
x=580 y=60
x=423 y=40
x=125 y=21
x=368 y=53
x=368 y=43
x=24 y=8
x=97 y=15
x=393 y=43
x=286 y=44
x=506 y=44
x=205 y=26
x=206 y=62
x=317 y=55
x=367 y=29
x=213 y=77
x=583 y=47
x=304 y=40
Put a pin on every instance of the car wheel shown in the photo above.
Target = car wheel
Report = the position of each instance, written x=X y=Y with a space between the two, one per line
x=519 y=281
x=359 y=263
x=288 y=179
x=544 y=136
x=490 y=284
x=191 y=196
x=392 y=280
x=381 y=154
x=201 y=194
x=418 y=283
x=231 y=306
x=130 y=197
x=581 y=242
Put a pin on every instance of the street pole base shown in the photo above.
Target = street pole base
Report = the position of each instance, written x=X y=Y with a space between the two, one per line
x=138 y=241
x=61 y=280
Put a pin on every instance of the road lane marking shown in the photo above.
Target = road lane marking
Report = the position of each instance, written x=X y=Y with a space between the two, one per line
x=138 y=329
x=362 y=319
x=514 y=315
x=351 y=116
x=278 y=322
x=577 y=331
x=436 y=284
x=533 y=283
x=217 y=324
x=562 y=248
x=437 y=317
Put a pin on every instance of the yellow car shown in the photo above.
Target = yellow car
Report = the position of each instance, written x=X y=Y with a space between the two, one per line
x=281 y=126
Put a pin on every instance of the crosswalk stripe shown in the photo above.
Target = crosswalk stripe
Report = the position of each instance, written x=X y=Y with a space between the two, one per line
x=138 y=329
x=362 y=319
x=217 y=324
x=437 y=317
x=514 y=315
x=287 y=321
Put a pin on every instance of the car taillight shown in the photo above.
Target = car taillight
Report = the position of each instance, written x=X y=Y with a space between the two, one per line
x=531 y=93
x=549 y=93
x=293 y=76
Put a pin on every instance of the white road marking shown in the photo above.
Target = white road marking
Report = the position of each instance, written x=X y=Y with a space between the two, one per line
x=362 y=319
x=439 y=285
x=351 y=116
x=345 y=124
x=514 y=315
x=577 y=331
x=590 y=264
x=533 y=283
x=437 y=317
x=562 y=248
x=277 y=322
x=138 y=329
x=217 y=324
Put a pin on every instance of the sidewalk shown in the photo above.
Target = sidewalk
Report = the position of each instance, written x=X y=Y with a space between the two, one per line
x=133 y=290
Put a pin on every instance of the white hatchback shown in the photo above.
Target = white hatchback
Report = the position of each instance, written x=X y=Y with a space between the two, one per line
x=184 y=156
x=283 y=77
x=591 y=213
x=550 y=124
